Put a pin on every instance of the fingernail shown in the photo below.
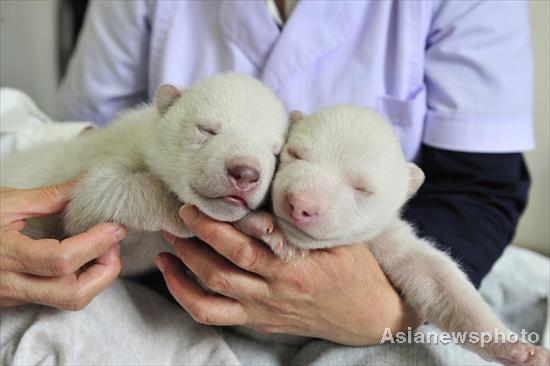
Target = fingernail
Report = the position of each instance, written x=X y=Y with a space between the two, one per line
x=189 y=213
x=160 y=263
x=119 y=233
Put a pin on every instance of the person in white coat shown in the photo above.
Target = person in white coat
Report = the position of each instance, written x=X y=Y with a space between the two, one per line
x=454 y=78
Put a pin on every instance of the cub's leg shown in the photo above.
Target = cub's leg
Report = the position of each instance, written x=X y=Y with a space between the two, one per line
x=440 y=292
x=134 y=198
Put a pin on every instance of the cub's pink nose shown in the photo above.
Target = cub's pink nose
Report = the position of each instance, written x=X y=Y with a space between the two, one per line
x=302 y=208
x=243 y=177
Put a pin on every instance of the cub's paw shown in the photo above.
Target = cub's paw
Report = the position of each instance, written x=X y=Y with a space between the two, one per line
x=257 y=224
x=517 y=354
x=261 y=225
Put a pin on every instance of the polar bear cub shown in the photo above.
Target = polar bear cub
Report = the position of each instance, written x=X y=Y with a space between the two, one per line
x=213 y=145
x=343 y=179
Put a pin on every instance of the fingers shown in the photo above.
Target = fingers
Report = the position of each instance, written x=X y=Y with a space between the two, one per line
x=19 y=204
x=9 y=303
x=103 y=271
x=242 y=250
x=218 y=274
x=204 y=308
x=70 y=292
x=49 y=257
x=84 y=247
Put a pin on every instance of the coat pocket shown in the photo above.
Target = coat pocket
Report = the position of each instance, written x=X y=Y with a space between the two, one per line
x=407 y=119
x=403 y=112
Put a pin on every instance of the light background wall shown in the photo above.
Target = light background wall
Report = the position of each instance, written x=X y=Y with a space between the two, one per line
x=28 y=48
x=28 y=59
x=534 y=228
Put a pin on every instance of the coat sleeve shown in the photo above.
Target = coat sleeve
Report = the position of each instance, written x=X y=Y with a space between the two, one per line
x=478 y=77
x=470 y=204
x=108 y=70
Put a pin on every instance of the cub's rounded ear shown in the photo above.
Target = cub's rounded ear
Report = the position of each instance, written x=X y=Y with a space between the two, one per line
x=416 y=178
x=165 y=96
x=295 y=116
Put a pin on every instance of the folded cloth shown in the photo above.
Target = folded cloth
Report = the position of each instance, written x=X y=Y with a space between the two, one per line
x=23 y=124
x=127 y=324
x=130 y=324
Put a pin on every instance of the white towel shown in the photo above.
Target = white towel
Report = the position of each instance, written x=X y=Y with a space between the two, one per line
x=23 y=124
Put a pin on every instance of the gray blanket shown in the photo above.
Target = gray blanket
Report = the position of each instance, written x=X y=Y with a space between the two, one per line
x=128 y=324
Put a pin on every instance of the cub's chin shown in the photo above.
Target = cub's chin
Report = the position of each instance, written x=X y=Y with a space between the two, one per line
x=303 y=240
x=219 y=209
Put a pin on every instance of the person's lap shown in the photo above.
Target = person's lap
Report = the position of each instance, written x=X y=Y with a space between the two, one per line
x=126 y=324
x=130 y=324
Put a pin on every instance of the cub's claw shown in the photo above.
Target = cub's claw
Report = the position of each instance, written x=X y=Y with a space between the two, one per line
x=256 y=224
x=288 y=252
x=516 y=354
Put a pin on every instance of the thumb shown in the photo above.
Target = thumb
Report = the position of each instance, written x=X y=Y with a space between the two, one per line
x=42 y=201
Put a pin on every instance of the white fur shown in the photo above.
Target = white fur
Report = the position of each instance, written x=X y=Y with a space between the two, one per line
x=152 y=159
x=346 y=170
x=347 y=160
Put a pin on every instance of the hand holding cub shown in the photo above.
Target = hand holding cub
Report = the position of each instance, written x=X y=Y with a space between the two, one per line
x=65 y=274
x=339 y=294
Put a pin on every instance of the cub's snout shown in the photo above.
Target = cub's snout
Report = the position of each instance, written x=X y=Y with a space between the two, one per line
x=243 y=173
x=303 y=208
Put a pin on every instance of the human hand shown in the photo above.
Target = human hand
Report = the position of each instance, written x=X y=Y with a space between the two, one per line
x=339 y=294
x=65 y=274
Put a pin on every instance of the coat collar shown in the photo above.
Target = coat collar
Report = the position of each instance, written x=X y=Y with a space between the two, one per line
x=249 y=26
x=313 y=29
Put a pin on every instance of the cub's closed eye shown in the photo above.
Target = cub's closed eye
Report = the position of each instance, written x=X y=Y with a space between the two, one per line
x=207 y=130
x=362 y=190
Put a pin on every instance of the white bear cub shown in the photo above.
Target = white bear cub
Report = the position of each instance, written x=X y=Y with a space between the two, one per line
x=343 y=179
x=213 y=145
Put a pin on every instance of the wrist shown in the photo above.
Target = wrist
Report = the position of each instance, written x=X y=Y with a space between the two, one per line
x=394 y=315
